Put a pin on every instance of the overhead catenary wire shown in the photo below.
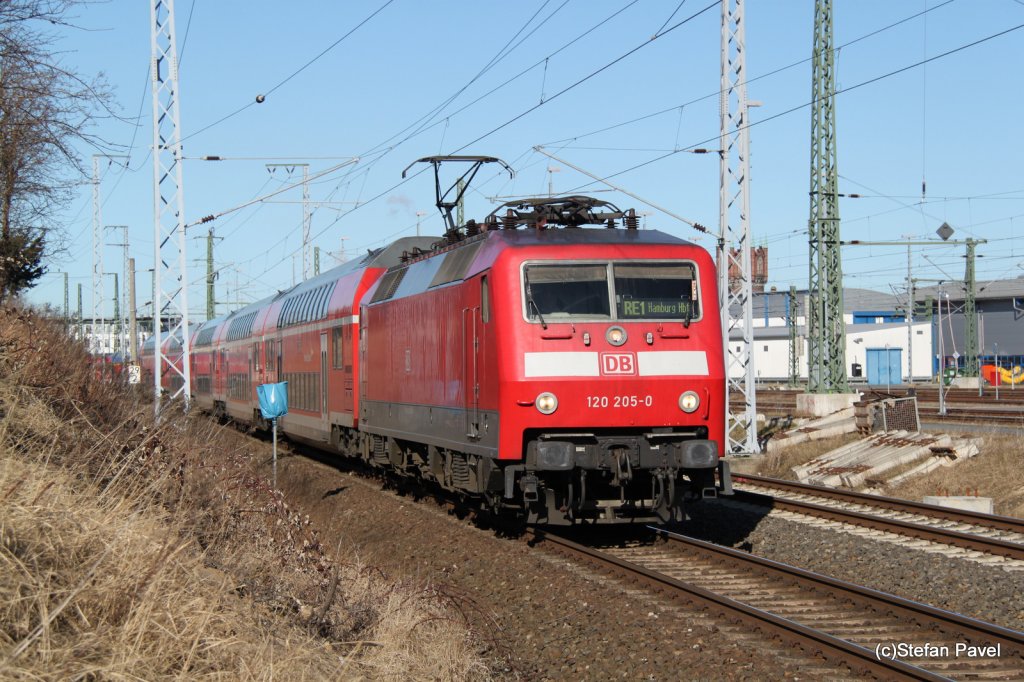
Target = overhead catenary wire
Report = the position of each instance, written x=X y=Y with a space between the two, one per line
x=214 y=216
x=592 y=74
x=422 y=129
x=839 y=91
x=588 y=77
x=291 y=75
x=773 y=72
x=521 y=115
x=398 y=184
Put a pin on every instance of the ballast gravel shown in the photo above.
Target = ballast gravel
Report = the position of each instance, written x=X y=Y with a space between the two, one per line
x=536 y=616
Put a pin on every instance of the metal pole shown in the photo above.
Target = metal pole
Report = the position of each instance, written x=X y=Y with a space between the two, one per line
x=275 y=452
x=999 y=376
x=942 y=364
x=910 y=320
x=170 y=300
x=211 y=305
x=117 y=316
x=307 y=219
x=133 y=323
x=791 y=315
x=81 y=330
x=734 y=245
x=67 y=313
x=97 y=250
x=826 y=324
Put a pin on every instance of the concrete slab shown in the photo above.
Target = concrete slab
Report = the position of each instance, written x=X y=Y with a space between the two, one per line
x=969 y=503
x=821 y=404
x=855 y=464
x=811 y=432
x=746 y=464
x=965 y=382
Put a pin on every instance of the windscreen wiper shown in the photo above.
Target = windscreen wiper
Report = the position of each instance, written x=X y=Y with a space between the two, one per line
x=529 y=298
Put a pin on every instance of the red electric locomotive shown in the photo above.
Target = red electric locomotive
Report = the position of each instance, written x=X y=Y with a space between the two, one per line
x=567 y=374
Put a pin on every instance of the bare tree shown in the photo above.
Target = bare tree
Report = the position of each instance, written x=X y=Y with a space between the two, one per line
x=46 y=110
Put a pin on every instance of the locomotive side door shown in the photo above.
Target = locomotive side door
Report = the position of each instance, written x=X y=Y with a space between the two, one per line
x=471 y=369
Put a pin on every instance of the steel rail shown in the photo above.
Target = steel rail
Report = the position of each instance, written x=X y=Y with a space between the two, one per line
x=923 y=614
x=812 y=641
x=977 y=543
x=994 y=522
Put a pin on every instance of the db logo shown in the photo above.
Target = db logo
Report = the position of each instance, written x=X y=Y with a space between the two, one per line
x=618 y=363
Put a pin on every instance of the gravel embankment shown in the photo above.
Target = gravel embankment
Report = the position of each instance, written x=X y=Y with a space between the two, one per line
x=540 y=617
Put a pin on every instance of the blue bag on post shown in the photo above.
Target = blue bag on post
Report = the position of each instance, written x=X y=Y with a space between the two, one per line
x=273 y=399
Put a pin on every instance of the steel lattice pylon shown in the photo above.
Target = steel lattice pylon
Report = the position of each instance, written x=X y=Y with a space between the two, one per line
x=734 y=234
x=169 y=271
x=826 y=361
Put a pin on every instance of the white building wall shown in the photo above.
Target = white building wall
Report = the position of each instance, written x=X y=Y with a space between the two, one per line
x=861 y=337
x=771 y=356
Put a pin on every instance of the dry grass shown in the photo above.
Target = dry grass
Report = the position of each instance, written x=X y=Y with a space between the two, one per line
x=130 y=550
x=780 y=464
x=996 y=472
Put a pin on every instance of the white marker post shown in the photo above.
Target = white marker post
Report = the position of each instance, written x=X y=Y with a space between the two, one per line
x=274 y=464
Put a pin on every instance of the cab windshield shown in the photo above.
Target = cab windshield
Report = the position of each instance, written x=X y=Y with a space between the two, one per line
x=610 y=291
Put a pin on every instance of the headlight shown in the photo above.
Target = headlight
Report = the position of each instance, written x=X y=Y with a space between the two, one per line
x=689 y=402
x=546 y=403
x=616 y=335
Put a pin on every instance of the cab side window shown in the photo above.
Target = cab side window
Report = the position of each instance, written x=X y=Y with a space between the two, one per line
x=485 y=299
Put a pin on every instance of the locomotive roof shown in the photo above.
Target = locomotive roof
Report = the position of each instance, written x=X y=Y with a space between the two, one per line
x=566 y=236
x=462 y=259
x=592 y=235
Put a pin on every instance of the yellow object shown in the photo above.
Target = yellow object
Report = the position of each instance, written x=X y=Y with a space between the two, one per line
x=1016 y=376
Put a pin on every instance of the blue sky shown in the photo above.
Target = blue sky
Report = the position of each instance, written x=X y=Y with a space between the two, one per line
x=951 y=123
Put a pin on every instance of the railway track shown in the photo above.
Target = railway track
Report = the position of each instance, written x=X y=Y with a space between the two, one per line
x=962 y=405
x=998 y=536
x=849 y=626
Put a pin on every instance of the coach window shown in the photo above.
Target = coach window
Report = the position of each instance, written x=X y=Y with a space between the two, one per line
x=485 y=299
x=336 y=347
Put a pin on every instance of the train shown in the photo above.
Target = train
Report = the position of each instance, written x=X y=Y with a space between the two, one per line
x=552 y=362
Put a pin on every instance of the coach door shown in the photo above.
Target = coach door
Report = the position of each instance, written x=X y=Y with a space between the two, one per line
x=324 y=359
x=278 y=353
x=471 y=369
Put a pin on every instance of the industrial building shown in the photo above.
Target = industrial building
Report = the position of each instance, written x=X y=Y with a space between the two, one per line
x=881 y=347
